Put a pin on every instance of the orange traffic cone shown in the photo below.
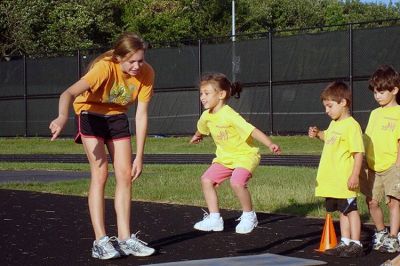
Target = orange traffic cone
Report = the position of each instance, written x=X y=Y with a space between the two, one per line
x=328 y=239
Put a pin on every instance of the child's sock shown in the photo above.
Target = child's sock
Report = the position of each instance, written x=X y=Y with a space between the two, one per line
x=356 y=241
x=345 y=240
x=215 y=215
x=248 y=213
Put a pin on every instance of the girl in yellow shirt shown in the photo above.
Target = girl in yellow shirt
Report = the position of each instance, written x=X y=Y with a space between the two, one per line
x=236 y=156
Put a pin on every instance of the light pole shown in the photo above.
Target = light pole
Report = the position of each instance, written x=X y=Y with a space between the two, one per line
x=233 y=21
x=235 y=62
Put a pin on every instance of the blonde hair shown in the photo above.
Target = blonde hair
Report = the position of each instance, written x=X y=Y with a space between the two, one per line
x=127 y=44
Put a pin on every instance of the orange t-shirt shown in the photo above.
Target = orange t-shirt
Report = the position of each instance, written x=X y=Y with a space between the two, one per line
x=112 y=91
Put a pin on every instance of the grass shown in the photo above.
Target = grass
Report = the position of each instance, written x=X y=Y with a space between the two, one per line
x=179 y=184
x=173 y=145
x=286 y=190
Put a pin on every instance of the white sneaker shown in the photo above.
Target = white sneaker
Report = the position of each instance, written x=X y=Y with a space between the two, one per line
x=104 y=249
x=247 y=223
x=210 y=224
x=378 y=238
x=136 y=247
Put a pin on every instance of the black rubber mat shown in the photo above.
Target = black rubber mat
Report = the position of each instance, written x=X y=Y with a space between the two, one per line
x=48 y=229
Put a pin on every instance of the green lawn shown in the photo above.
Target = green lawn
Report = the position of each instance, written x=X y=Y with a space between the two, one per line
x=289 y=145
x=287 y=190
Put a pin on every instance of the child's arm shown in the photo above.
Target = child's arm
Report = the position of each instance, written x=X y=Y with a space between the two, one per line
x=354 y=179
x=197 y=137
x=397 y=164
x=264 y=139
x=314 y=132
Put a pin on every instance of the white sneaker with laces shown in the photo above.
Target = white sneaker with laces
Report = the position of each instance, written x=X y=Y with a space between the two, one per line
x=247 y=223
x=136 y=247
x=210 y=224
x=104 y=249
x=378 y=238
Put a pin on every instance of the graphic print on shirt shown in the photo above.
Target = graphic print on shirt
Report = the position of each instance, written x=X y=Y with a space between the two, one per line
x=120 y=94
x=390 y=125
x=332 y=139
x=222 y=133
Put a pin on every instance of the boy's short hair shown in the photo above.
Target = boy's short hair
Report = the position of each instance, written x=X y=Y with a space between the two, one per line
x=385 y=78
x=337 y=91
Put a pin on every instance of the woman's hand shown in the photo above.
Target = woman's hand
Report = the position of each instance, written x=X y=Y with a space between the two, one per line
x=56 y=126
x=137 y=167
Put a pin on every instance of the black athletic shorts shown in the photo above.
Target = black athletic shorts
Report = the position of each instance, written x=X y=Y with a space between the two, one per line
x=342 y=205
x=105 y=127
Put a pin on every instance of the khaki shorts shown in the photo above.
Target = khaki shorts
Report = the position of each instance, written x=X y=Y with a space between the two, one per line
x=376 y=185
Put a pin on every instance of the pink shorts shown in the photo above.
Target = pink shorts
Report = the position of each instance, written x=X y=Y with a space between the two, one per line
x=219 y=173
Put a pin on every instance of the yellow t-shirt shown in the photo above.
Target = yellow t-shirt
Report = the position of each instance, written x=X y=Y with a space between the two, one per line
x=342 y=139
x=382 y=135
x=232 y=136
x=112 y=91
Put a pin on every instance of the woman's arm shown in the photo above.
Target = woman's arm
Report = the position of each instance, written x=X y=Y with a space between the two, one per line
x=66 y=99
x=141 y=133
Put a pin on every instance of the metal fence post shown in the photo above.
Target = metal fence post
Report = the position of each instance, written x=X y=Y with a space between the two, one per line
x=25 y=96
x=271 y=119
x=78 y=55
x=200 y=71
x=351 y=66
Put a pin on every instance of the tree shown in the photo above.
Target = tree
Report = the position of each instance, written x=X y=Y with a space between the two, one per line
x=51 y=27
x=48 y=27
x=162 y=20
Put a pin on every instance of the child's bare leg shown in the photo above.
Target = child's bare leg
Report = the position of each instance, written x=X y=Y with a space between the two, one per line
x=394 y=210
x=210 y=195
x=244 y=197
x=355 y=225
x=344 y=226
x=376 y=214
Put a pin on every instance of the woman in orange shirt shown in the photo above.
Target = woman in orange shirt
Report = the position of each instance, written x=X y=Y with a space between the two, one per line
x=115 y=80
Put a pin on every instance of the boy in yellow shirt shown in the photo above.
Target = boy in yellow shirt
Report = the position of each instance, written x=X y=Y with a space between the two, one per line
x=339 y=168
x=382 y=145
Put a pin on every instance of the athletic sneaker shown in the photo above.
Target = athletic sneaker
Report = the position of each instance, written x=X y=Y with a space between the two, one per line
x=378 y=238
x=352 y=250
x=136 y=247
x=336 y=251
x=247 y=223
x=390 y=245
x=210 y=224
x=104 y=248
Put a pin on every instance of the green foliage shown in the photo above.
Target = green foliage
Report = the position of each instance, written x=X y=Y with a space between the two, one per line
x=294 y=14
x=51 y=27
x=48 y=27
x=165 y=20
